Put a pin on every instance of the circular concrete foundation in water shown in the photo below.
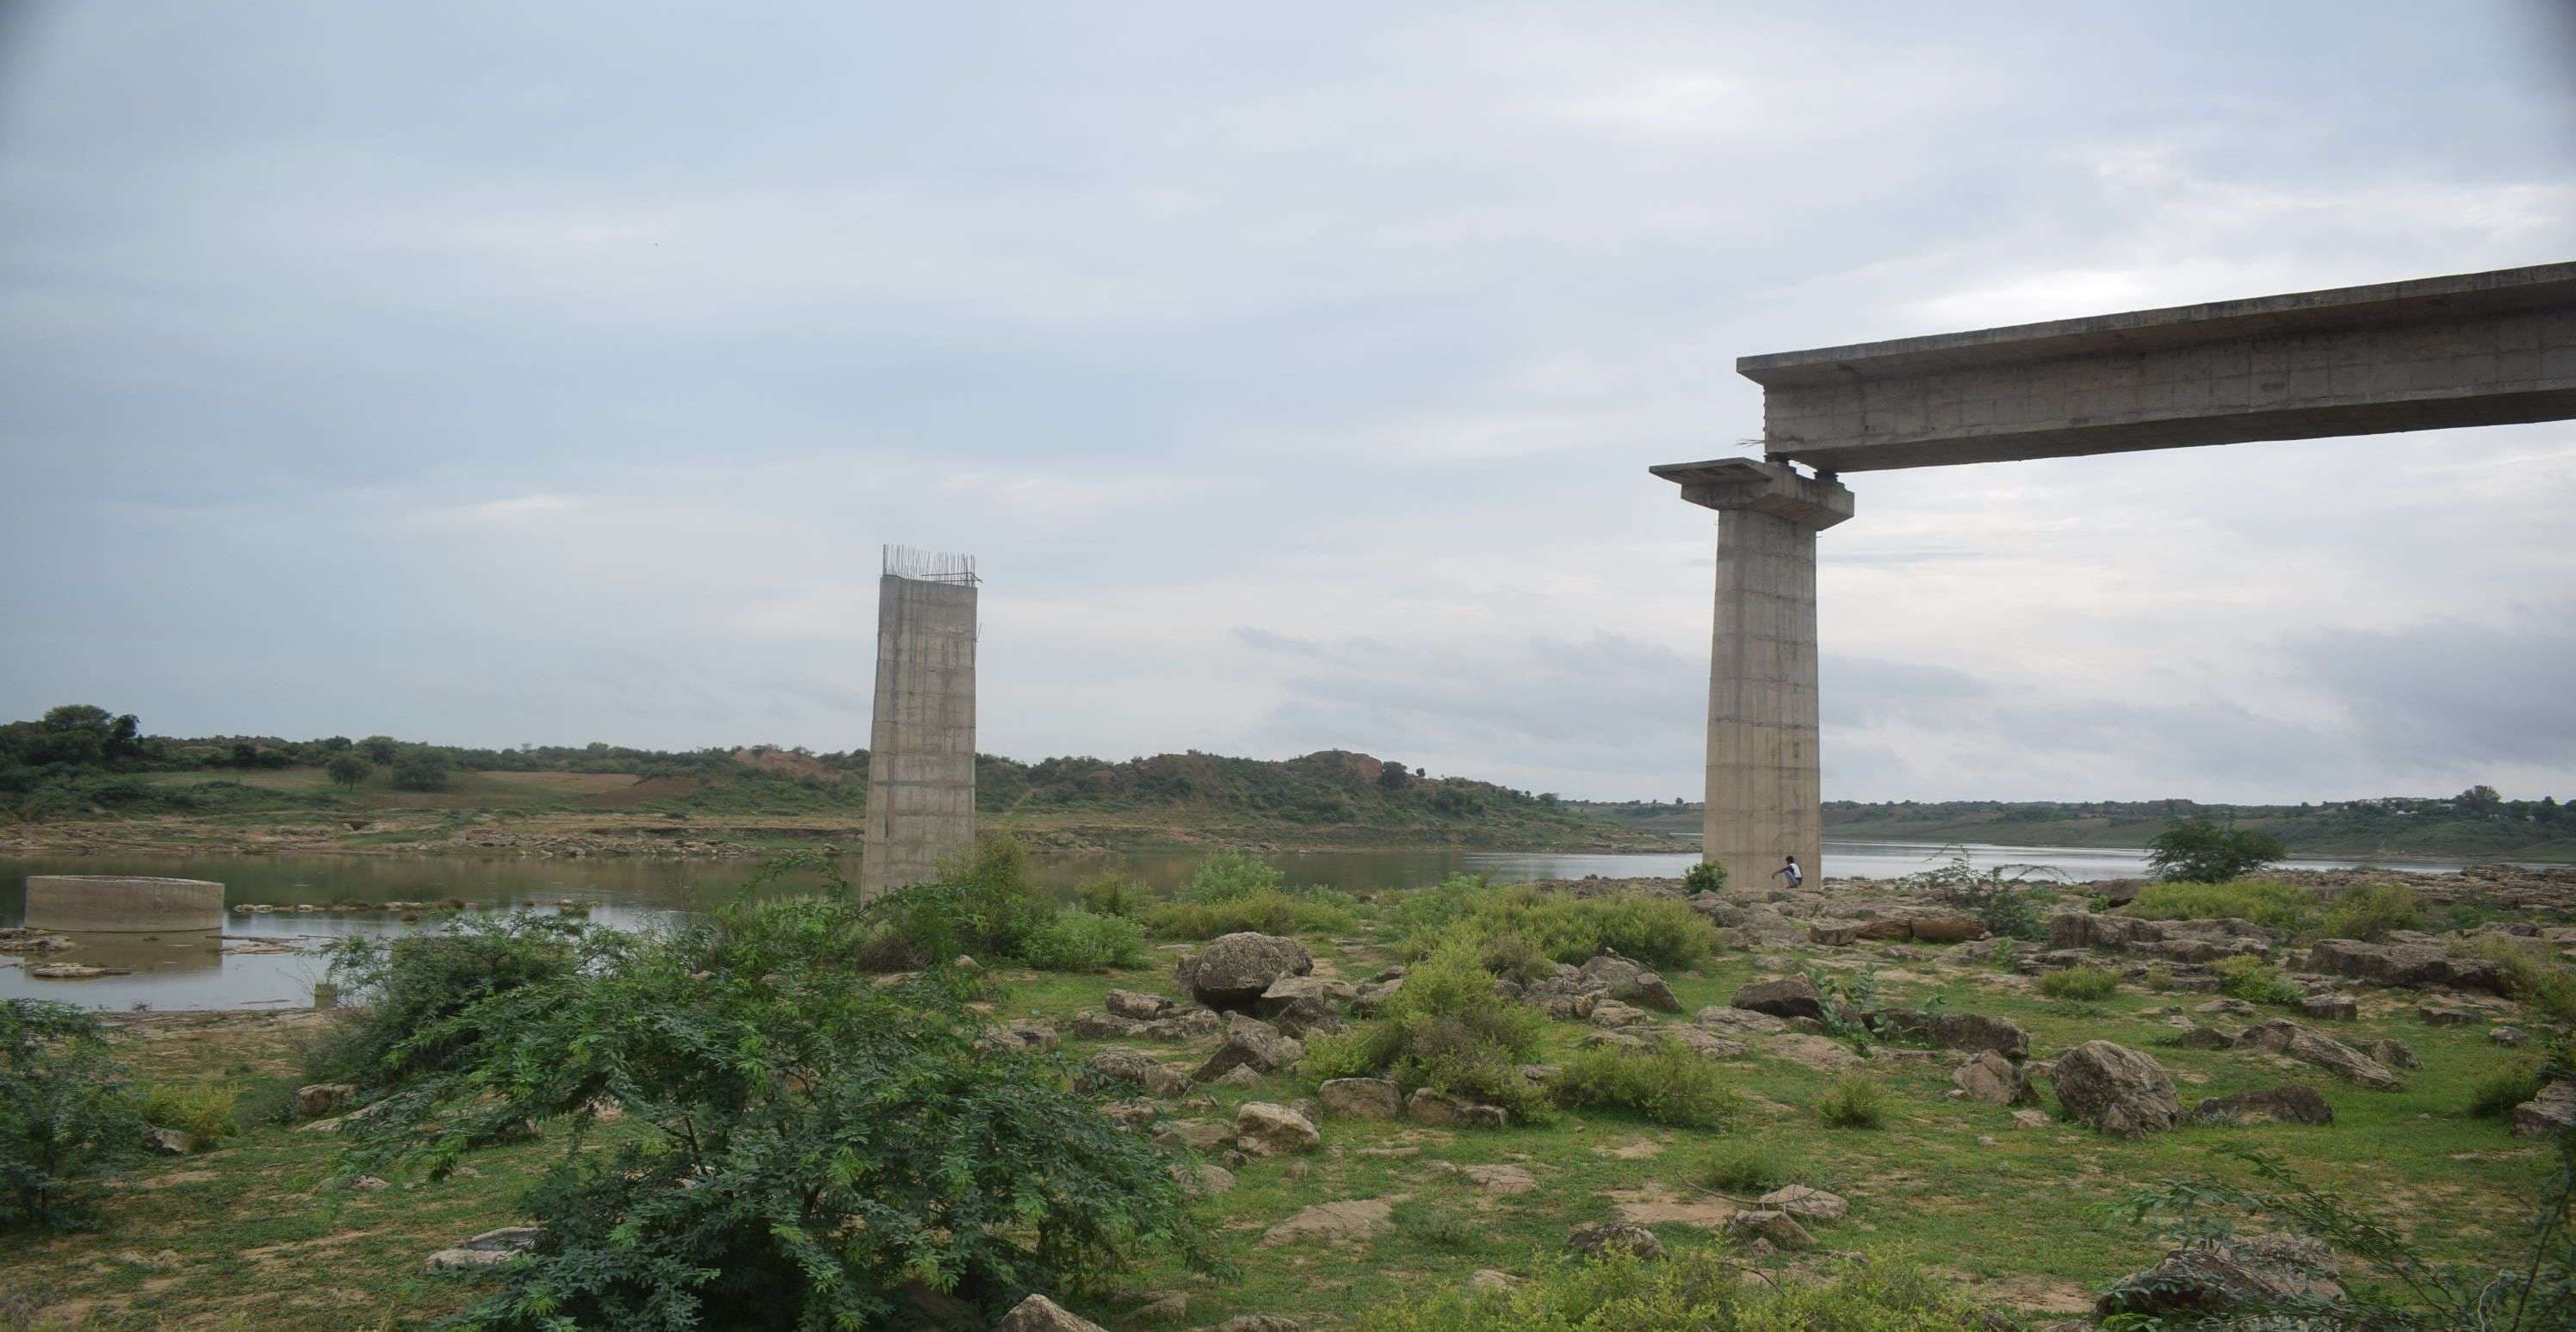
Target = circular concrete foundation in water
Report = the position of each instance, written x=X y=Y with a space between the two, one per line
x=119 y=904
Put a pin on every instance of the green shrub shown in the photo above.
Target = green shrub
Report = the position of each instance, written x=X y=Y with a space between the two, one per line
x=2200 y=851
x=2499 y=1092
x=2265 y=902
x=814 y=1143
x=407 y=995
x=2005 y=897
x=67 y=1114
x=2531 y=974
x=421 y=770
x=1755 y=1168
x=1228 y=875
x=2085 y=982
x=1852 y=1101
x=1268 y=911
x=1693 y=1291
x=2370 y=912
x=202 y=1110
x=1115 y=895
x=1705 y=877
x=1514 y=957
x=1656 y=930
x=1081 y=941
x=1664 y=1084
x=981 y=905
x=1446 y=1029
x=2255 y=981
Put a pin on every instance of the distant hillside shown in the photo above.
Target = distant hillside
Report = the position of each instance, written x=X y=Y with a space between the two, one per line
x=82 y=763
x=2475 y=824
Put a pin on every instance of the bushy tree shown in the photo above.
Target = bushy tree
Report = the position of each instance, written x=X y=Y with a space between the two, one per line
x=421 y=770
x=816 y=1147
x=2200 y=851
x=348 y=769
x=380 y=750
x=67 y=1114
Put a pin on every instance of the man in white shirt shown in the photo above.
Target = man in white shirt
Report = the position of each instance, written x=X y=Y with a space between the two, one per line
x=1790 y=872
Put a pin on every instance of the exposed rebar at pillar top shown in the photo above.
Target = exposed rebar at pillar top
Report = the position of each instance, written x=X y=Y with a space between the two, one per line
x=929 y=566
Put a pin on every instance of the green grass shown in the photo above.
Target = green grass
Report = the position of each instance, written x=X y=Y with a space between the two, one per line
x=2255 y=981
x=251 y=1226
x=2265 y=902
x=2083 y=982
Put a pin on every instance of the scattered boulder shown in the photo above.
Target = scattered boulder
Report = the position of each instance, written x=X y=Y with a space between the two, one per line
x=1254 y=1044
x=1625 y=980
x=1426 y=1106
x=2211 y=1279
x=1957 y=928
x=2330 y=1007
x=1955 y=1031
x=2030 y=1119
x=2506 y=1036
x=1788 y=997
x=1993 y=1079
x=1263 y=1129
x=1821 y=1053
x=1360 y=1098
x=1037 y=1313
x=2197 y=1037
x=1188 y=1025
x=489 y=1249
x=1233 y=970
x=1023 y=1034
x=1134 y=1066
x=2279 y=1105
x=2551 y=1112
x=1593 y=1240
x=1139 y=1005
x=2395 y=1054
x=2446 y=1015
x=2115 y=1089
x=1102 y=1027
x=314 y=1100
x=1740 y=1019
x=1196 y=1134
x=1613 y=1014
x=170 y=1142
x=2412 y=966
x=2284 y=1037
x=1805 y=1203
x=1204 y=1181
x=1779 y=1228
x=1492 y=1281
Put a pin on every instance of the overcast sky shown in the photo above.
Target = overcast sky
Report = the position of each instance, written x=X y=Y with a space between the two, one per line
x=490 y=373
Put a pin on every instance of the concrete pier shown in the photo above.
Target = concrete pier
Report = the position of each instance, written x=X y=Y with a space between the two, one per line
x=921 y=760
x=119 y=904
x=1765 y=798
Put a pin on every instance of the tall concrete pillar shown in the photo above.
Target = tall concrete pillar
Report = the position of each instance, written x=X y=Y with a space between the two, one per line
x=1765 y=798
x=921 y=758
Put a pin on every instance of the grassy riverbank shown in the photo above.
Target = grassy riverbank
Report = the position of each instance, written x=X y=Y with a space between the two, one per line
x=256 y=1233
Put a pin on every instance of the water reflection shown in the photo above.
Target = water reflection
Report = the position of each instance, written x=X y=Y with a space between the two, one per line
x=174 y=971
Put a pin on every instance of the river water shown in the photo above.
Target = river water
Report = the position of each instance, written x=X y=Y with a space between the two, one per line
x=186 y=971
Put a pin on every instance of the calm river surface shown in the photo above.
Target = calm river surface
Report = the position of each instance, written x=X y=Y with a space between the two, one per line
x=192 y=971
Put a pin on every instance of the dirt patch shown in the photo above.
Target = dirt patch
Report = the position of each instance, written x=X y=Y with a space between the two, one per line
x=1344 y=1222
x=1634 y=1149
x=1655 y=1202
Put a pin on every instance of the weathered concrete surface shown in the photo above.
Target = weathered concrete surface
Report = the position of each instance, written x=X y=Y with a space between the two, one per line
x=921 y=760
x=1765 y=798
x=113 y=904
x=2464 y=350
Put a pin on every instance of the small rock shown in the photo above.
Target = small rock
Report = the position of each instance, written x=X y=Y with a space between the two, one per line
x=2030 y=1119
x=2445 y=1015
x=2330 y=1007
x=1790 y=997
x=1263 y=1129
x=1489 y=1281
x=1109 y=1066
x=1805 y=1203
x=1993 y=1079
x=2395 y=1054
x=1360 y=1098
x=2551 y=1112
x=2505 y=1036
x=1254 y=1044
x=1196 y=1134
x=170 y=1142
x=1778 y=1227
x=1334 y=1222
x=1137 y=1004
x=2279 y=1105
x=489 y=1249
x=1593 y=1240
x=1037 y=1313
x=315 y=1100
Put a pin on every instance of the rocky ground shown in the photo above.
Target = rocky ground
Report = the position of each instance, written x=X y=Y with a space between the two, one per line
x=2012 y=1119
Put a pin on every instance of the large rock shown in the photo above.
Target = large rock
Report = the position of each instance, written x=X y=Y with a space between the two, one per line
x=2548 y=1114
x=314 y=1100
x=1622 y=979
x=2115 y=1089
x=1134 y=1066
x=1959 y=928
x=1788 y=997
x=1263 y=1129
x=1805 y=1203
x=1360 y=1098
x=2414 y=966
x=1037 y=1313
x=1189 y=1025
x=1993 y=1079
x=1779 y=1228
x=1955 y=1031
x=2214 y=1279
x=489 y=1249
x=1739 y=1019
x=1139 y=1005
x=1253 y=1044
x=2284 y=1037
x=1233 y=970
x=2279 y=1105
x=1102 y=1026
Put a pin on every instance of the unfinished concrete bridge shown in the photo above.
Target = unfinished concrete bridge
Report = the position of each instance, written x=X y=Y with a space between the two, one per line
x=2474 y=349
